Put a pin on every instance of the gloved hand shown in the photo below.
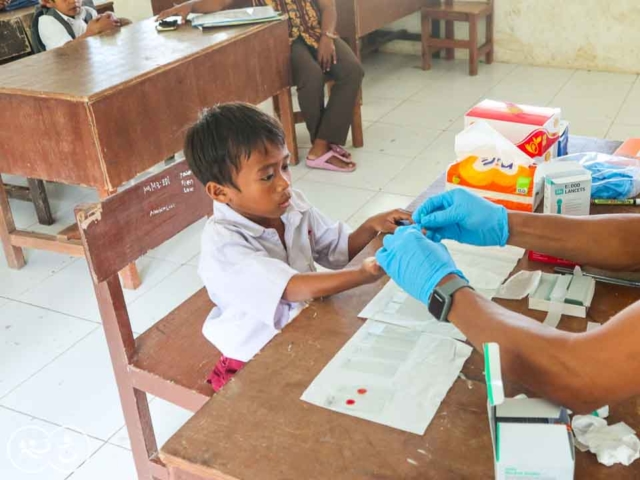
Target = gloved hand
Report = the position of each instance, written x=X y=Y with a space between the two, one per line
x=415 y=263
x=465 y=217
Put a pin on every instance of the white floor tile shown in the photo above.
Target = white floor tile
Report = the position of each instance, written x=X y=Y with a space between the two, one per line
x=31 y=338
x=167 y=419
x=337 y=202
x=71 y=291
x=164 y=297
x=34 y=449
x=78 y=388
x=40 y=265
x=108 y=463
x=399 y=85
x=590 y=127
x=435 y=114
x=374 y=108
x=464 y=89
x=589 y=84
x=629 y=113
x=623 y=132
x=382 y=202
x=522 y=94
x=574 y=108
x=183 y=246
x=373 y=172
x=424 y=169
x=457 y=126
x=398 y=141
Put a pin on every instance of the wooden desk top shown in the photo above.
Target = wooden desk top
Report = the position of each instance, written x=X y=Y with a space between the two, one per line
x=257 y=426
x=90 y=68
x=100 y=111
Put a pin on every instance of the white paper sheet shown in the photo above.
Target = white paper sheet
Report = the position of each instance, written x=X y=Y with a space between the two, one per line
x=390 y=375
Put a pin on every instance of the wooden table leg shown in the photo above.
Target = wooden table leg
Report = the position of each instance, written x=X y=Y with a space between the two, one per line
x=129 y=275
x=14 y=255
x=40 y=201
x=283 y=107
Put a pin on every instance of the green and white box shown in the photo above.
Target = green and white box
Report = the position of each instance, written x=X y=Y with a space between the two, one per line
x=568 y=193
x=531 y=437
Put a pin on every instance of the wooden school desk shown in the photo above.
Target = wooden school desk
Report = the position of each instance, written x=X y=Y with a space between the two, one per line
x=102 y=110
x=258 y=428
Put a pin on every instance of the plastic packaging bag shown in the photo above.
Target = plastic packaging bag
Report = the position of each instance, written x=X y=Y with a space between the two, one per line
x=612 y=177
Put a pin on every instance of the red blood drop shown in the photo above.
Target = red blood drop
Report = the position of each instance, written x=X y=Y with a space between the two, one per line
x=351 y=402
x=362 y=391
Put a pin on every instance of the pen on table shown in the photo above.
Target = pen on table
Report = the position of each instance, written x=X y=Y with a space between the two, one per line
x=601 y=278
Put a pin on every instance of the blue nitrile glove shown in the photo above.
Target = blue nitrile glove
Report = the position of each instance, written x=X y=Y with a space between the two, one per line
x=415 y=263
x=465 y=217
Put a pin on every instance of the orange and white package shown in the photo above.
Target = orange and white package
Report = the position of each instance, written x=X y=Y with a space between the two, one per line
x=534 y=130
x=492 y=167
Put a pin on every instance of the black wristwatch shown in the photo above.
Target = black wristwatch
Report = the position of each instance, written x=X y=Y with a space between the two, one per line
x=441 y=299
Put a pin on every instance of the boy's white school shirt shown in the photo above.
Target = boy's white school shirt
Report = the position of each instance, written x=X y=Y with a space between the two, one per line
x=246 y=269
x=54 y=35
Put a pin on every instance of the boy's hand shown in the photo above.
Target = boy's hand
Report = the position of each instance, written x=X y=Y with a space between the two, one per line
x=326 y=53
x=183 y=10
x=387 y=222
x=102 y=23
x=4 y=3
x=371 y=270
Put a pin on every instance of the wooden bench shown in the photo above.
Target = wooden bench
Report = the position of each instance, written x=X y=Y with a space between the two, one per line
x=172 y=359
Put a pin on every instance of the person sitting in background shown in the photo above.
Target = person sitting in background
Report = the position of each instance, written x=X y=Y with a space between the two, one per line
x=16 y=4
x=316 y=51
x=58 y=22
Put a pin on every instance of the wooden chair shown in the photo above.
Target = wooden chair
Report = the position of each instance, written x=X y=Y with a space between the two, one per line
x=171 y=360
x=458 y=11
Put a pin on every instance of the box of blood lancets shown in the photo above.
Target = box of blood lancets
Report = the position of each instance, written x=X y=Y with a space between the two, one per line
x=531 y=437
x=534 y=130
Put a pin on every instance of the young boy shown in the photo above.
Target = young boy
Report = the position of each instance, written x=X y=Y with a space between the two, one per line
x=316 y=51
x=62 y=21
x=259 y=247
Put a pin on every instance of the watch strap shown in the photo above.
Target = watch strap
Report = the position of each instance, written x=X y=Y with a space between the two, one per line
x=452 y=286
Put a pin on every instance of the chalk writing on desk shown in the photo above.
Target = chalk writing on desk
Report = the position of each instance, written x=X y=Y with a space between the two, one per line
x=188 y=185
x=164 y=209
x=186 y=173
x=156 y=185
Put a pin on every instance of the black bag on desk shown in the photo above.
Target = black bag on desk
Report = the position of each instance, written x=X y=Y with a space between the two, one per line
x=38 y=45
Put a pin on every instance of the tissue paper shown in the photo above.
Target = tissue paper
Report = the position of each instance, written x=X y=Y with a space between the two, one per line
x=610 y=443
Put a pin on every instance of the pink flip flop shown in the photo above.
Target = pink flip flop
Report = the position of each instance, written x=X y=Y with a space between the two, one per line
x=322 y=162
x=340 y=150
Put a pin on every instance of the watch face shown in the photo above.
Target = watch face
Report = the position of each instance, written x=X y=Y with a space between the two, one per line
x=437 y=304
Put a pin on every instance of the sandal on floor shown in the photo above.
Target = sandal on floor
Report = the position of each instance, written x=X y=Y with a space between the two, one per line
x=322 y=162
x=340 y=150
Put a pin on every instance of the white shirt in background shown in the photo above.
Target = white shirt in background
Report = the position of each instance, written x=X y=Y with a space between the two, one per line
x=246 y=270
x=54 y=35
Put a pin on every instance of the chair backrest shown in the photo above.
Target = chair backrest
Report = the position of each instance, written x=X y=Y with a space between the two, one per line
x=122 y=228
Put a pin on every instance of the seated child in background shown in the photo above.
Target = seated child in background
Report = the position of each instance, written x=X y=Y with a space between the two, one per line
x=58 y=22
x=259 y=247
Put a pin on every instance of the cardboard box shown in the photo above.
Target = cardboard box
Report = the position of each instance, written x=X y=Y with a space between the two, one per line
x=531 y=437
x=568 y=193
x=534 y=130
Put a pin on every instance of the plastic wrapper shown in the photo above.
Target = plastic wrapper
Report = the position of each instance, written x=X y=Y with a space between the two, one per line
x=613 y=177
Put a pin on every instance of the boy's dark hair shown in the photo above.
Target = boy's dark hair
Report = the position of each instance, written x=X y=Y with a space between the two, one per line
x=224 y=136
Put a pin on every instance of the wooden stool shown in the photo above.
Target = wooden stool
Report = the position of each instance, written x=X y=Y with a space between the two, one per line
x=457 y=11
x=357 y=136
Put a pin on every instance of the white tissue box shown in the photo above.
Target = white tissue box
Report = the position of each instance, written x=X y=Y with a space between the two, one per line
x=531 y=437
x=576 y=291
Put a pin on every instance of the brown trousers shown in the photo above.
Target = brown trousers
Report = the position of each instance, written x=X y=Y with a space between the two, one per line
x=328 y=122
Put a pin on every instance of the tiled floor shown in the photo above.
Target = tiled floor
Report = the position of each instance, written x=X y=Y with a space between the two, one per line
x=54 y=367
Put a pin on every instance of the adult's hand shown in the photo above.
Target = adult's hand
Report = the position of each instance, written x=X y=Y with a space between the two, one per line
x=326 y=53
x=465 y=217
x=183 y=10
x=416 y=263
